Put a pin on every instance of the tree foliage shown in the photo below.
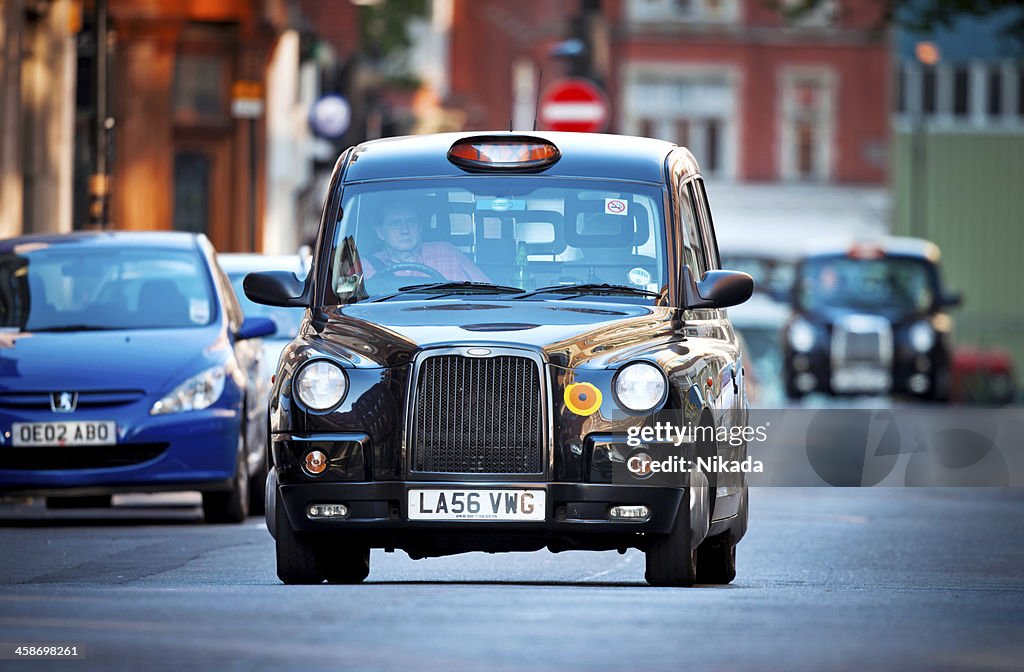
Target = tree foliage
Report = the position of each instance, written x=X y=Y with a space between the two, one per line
x=384 y=27
x=923 y=16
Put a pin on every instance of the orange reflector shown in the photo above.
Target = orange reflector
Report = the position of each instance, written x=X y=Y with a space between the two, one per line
x=503 y=153
x=316 y=462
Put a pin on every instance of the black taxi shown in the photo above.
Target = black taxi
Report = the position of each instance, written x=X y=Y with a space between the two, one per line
x=870 y=317
x=490 y=318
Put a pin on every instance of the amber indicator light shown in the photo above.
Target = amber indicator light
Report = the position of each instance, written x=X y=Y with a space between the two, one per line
x=507 y=153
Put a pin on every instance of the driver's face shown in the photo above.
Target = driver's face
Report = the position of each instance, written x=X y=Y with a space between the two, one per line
x=400 y=229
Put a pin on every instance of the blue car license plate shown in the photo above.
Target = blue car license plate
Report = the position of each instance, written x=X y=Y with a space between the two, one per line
x=70 y=433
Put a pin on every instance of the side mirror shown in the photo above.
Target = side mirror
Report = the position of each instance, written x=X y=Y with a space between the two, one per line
x=717 y=289
x=276 y=288
x=951 y=300
x=256 y=327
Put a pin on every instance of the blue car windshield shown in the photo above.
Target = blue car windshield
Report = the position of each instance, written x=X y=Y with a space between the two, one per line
x=519 y=232
x=69 y=287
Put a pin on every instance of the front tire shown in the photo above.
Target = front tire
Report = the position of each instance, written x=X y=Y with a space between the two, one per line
x=298 y=562
x=716 y=560
x=671 y=559
x=231 y=506
x=258 y=490
x=345 y=564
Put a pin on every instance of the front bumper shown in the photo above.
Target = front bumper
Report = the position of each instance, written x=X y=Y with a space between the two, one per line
x=571 y=508
x=188 y=451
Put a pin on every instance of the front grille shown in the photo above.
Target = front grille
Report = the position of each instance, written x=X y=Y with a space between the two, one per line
x=79 y=457
x=86 y=399
x=478 y=415
x=861 y=340
x=863 y=347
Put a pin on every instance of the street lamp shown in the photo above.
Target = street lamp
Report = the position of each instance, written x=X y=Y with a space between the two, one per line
x=927 y=54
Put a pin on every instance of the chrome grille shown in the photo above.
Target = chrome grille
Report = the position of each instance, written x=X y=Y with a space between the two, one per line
x=863 y=347
x=862 y=340
x=478 y=415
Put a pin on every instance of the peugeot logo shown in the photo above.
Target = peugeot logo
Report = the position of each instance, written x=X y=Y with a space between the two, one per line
x=63 y=402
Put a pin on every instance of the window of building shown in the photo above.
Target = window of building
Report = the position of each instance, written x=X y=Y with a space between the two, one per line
x=822 y=15
x=807 y=123
x=1020 y=93
x=692 y=109
x=928 y=90
x=995 y=91
x=200 y=88
x=902 y=104
x=192 y=171
x=710 y=11
x=973 y=93
x=961 y=91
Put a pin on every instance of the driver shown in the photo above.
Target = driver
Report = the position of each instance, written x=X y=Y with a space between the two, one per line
x=399 y=228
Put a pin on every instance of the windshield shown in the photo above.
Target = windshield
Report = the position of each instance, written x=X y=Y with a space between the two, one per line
x=77 y=288
x=286 y=319
x=522 y=233
x=892 y=283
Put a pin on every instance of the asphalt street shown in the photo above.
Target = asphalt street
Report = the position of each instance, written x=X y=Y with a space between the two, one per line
x=829 y=579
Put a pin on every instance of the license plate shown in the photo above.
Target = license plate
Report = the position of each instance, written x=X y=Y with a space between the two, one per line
x=464 y=504
x=861 y=380
x=72 y=433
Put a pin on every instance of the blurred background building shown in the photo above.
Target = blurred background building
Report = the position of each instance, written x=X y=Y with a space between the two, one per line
x=226 y=116
x=958 y=164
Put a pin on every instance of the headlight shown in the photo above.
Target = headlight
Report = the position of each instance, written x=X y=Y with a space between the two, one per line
x=801 y=336
x=320 y=385
x=640 y=387
x=921 y=336
x=198 y=392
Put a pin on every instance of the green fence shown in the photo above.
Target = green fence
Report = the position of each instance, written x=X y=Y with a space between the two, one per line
x=972 y=199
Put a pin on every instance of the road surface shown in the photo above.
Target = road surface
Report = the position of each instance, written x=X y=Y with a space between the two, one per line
x=829 y=579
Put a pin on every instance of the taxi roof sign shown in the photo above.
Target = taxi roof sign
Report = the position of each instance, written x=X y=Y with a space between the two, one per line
x=512 y=152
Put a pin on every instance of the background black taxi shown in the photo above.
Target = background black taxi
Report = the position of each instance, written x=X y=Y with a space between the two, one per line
x=870 y=317
x=488 y=316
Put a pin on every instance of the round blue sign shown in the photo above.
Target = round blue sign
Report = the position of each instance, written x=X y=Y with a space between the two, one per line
x=330 y=116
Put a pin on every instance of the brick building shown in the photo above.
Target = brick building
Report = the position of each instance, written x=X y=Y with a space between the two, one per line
x=757 y=97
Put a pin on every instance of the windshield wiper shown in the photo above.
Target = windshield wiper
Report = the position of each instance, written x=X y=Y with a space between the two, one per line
x=455 y=286
x=590 y=288
x=73 y=327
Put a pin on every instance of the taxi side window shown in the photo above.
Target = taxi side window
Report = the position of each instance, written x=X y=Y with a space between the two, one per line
x=707 y=228
x=694 y=255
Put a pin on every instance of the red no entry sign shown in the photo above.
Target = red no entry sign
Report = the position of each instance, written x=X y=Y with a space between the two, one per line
x=574 y=105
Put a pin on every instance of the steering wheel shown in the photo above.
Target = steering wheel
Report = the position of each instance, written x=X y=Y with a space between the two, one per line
x=390 y=274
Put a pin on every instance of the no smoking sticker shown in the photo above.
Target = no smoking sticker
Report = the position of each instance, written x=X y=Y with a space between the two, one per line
x=615 y=206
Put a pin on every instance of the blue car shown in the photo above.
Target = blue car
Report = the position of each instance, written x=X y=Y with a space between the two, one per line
x=126 y=365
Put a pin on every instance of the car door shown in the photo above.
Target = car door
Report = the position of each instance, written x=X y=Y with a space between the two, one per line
x=249 y=356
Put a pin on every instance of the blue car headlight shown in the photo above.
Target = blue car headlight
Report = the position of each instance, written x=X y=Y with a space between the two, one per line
x=198 y=392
